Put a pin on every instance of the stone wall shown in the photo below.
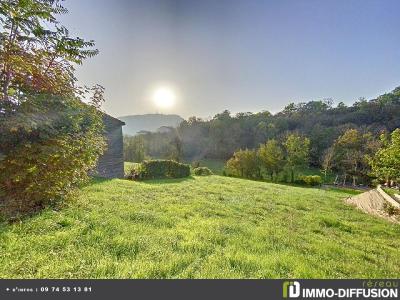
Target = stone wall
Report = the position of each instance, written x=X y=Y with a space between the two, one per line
x=111 y=163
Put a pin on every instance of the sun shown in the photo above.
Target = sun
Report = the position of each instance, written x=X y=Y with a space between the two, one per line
x=164 y=97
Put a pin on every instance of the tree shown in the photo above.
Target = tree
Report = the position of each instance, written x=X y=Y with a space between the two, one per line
x=35 y=59
x=271 y=155
x=134 y=148
x=50 y=139
x=244 y=163
x=297 y=152
x=386 y=162
x=350 y=153
x=176 y=149
x=327 y=161
x=221 y=136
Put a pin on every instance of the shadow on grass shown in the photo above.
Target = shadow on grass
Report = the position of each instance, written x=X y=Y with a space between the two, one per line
x=96 y=180
x=99 y=180
x=12 y=216
x=166 y=180
x=345 y=190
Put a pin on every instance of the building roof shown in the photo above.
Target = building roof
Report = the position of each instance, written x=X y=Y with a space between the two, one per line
x=111 y=122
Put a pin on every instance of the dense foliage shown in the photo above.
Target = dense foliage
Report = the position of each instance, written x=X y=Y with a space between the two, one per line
x=134 y=149
x=163 y=145
x=348 y=156
x=270 y=158
x=339 y=139
x=297 y=152
x=244 y=163
x=319 y=121
x=156 y=169
x=202 y=171
x=49 y=137
x=386 y=162
x=311 y=180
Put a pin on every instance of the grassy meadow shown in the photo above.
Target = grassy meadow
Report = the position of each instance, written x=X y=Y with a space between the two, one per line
x=201 y=227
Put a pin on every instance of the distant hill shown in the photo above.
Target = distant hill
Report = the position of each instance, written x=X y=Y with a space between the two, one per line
x=148 y=122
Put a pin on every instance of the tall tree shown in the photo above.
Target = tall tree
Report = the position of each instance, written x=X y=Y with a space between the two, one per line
x=297 y=152
x=350 y=152
x=271 y=156
x=386 y=162
x=49 y=138
x=134 y=148
x=244 y=163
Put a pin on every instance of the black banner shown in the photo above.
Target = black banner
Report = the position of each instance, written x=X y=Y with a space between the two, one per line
x=200 y=289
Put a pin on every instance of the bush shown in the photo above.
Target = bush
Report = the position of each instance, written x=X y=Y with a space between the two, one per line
x=390 y=209
x=244 y=163
x=202 y=171
x=44 y=163
x=195 y=164
x=312 y=180
x=157 y=169
x=134 y=171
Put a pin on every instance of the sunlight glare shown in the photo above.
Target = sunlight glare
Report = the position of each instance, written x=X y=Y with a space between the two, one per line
x=164 y=97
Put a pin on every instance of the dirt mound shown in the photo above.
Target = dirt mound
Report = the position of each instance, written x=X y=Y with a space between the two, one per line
x=372 y=203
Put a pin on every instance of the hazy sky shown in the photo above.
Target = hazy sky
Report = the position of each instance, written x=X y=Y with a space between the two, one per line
x=241 y=55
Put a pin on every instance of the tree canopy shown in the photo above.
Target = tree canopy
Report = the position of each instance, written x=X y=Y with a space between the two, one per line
x=50 y=138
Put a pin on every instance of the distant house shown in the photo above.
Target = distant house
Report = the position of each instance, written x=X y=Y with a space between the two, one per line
x=111 y=163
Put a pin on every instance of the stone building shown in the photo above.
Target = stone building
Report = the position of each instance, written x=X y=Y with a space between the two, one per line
x=111 y=163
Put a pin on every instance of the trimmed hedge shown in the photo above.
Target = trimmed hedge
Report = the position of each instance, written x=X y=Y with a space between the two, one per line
x=157 y=169
x=202 y=171
x=311 y=180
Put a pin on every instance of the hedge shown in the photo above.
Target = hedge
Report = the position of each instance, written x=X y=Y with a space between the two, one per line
x=157 y=169
x=202 y=171
x=311 y=180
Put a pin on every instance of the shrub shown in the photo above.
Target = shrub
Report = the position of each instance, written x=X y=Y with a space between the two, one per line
x=244 y=163
x=49 y=139
x=155 y=169
x=312 y=180
x=195 y=164
x=45 y=162
x=134 y=172
x=202 y=171
x=390 y=209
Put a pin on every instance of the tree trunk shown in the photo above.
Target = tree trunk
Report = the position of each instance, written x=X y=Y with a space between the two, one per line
x=292 y=175
x=354 y=180
x=336 y=179
x=344 y=179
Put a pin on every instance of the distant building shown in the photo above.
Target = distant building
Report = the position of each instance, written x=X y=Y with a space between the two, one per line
x=111 y=163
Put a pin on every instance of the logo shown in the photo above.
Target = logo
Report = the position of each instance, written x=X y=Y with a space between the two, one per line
x=291 y=289
x=373 y=290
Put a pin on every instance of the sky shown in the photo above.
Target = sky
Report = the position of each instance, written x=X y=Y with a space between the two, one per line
x=240 y=55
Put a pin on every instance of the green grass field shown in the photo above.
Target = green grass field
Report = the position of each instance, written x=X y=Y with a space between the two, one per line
x=201 y=227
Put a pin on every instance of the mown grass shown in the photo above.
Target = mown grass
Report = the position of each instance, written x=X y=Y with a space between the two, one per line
x=202 y=227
